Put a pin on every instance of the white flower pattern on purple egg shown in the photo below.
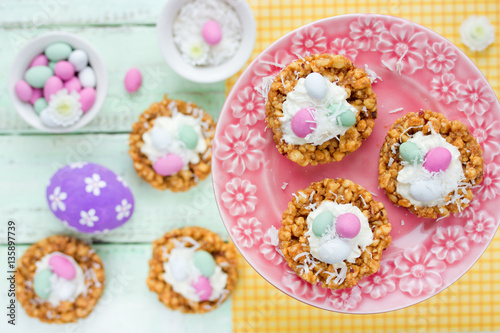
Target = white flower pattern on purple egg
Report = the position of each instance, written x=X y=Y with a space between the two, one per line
x=57 y=199
x=88 y=218
x=94 y=184
x=77 y=165
x=122 y=181
x=123 y=210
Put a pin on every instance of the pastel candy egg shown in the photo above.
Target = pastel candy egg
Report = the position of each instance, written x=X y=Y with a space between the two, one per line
x=79 y=59
x=87 y=98
x=205 y=262
x=52 y=86
x=23 y=90
x=40 y=105
x=52 y=65
x=334 y=251
x=58 y=51
x=303 y=122
x=315 y=85
x=73 y=84
x=64 y=70
x=39 y=60
x=168 y=165
x=37 y=76
x=410 y=152
x=87 y=77
x=437 y=159
x=41 y=283
x=179 y=268
x=188 y=135
x=322 y=222
x=133 y=80
x=347 y=225
x=37 y=93
x=161 y=138
x=63 y=267
x=203 y=288
x=46 y=119
x=425 y=191
x=346 y=118
x=211 y=32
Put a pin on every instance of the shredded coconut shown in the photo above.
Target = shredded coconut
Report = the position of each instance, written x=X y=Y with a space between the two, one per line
x=372 y=75
x=396 y=110
x=284 y=186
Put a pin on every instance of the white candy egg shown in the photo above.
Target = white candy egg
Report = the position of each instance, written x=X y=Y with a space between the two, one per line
x=46 y=120
x=161 y=138
x=179 y=268
x=87 y=77
x=425 y=190
x=334 y=251
x=315 y=85
x=79 y=59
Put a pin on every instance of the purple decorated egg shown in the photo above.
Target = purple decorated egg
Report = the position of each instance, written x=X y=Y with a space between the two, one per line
x=437 y=159
x=89 y=198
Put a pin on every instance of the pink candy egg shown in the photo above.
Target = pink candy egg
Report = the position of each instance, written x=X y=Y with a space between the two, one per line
x=203 y=288
x=437 y=159
x=133 y=80
x=87 y=98
x=62 y=267
x=168 y=165
x=37 y=93
x=73 y=84
x=64 y=70
x=303 y=122
x=39 y=60
x=211 y=32
x=347 y=225
x=51 y=87
x=23 y=90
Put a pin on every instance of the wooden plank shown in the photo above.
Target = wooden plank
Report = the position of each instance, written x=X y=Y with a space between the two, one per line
x=28 y=162
x=127 y=305
x=121 y=48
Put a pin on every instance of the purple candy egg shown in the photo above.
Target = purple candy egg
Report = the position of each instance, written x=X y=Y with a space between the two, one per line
x=39 y=60
x=303 y=122
x=37 y=93
x=89 y=198
x=437 y=159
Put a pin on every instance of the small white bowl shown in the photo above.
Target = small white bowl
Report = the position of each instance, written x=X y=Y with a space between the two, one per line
x=205 y=74
x=34 y=48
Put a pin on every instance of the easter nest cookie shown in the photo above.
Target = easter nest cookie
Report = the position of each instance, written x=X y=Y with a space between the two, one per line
x=192 y=270
x=320 y=109
x=429 y=164
x=59 y=280
x=333 y=233
x=171 y=145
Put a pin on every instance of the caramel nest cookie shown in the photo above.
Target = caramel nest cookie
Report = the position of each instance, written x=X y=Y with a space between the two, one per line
x=334 y=233
x=59 y=280
x=428 y=164
x=171 y=145
x=192 y=270
x=325 y=116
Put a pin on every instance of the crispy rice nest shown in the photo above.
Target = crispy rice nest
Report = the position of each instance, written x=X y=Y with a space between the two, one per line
x=455 y=132
x=184 y=179
x=209 y=241
x=294 y=226
x=65 y=312
x=359 y=91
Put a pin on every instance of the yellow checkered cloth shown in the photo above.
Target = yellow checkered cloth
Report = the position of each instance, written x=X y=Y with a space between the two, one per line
x=472 y=303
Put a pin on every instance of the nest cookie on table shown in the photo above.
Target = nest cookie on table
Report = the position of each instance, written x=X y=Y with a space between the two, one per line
x=334 y=233
x=192 y=270
x=59 y=280
x=171 y=145
x=320 y=109
x=428 y=164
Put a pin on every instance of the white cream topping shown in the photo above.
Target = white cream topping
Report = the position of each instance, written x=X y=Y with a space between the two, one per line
x=444 y=181
x=326 y=120
x=62 y=289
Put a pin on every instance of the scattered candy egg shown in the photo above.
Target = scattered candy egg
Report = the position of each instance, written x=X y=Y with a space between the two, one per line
x=346 y=118
x=347 y=225
x=303 y=122
x=37 y=93
x=188 y=135
x=58 y=51
x=39 y=60
x=52 y=65
x=179 y=268
x=205 y=262
x=37 y=76
x=322 y=222
x=161 y=138
x=334 y=251
x=203 y=288
x=315 y=85
x=73 y=84
x=23 y=90
x=79 y=59
x=425 y=191
x=41 y=283
x=46 y=119
x=62 y=266
x=437 y=159
x=87 y=77
x=211 y=32
x=133 y=80
x=64 y=70
x=168 y=165
x=87 y=98
x=40 y=105
x=52 y=86
x=89 y=197
x=410 y=152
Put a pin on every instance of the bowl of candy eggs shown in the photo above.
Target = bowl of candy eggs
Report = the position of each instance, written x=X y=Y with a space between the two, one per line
x=58 y=82
x=206 y=41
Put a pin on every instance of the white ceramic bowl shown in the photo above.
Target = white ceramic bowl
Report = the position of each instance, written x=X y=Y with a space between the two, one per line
x=205 y=74
x=34 y=48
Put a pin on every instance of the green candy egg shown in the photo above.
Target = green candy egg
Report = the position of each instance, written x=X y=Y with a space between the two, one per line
x=346 y=118
x=52 y=64
x=38 y=75
x=188 y=135
x=322 y=222
x=204 y=262
x=40 y=105
x=410 y=152
x=58 y=51
x=41 y=284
